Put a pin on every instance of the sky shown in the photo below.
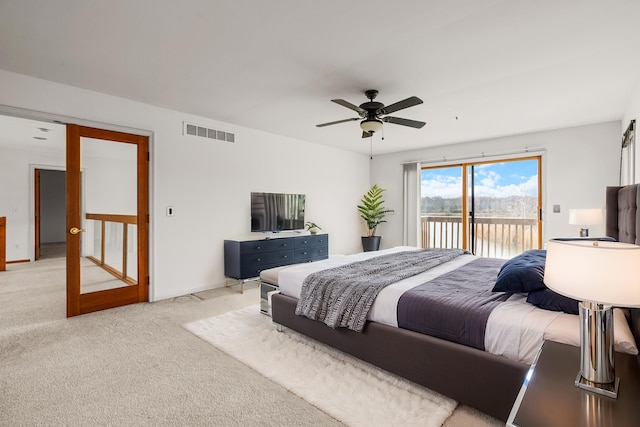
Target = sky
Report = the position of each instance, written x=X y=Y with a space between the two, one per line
x=491 y=180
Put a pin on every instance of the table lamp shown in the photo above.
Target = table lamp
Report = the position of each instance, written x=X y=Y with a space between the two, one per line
x=599 y=274
x=585 y=217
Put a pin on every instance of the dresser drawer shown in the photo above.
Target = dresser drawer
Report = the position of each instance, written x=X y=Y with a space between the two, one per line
x=312 y=253
x=260 y=246
x=309 y=241
x=264 y=258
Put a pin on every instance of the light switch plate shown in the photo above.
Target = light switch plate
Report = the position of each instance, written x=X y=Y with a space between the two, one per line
x=171 y=211
x=556 y=208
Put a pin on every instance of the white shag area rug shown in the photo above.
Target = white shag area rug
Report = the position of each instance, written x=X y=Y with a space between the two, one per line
x=352 y=391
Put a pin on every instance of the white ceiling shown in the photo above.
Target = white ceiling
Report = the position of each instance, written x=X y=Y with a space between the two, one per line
x=29 y=134
x=500 y=66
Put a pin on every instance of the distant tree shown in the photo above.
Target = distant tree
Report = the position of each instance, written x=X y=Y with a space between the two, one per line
x=510 y=206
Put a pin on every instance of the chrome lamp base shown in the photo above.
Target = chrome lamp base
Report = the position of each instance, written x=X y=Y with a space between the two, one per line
x=597 y=355
x=605 y=389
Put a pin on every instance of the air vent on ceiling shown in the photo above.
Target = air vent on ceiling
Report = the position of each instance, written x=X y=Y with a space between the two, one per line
x=203 y=132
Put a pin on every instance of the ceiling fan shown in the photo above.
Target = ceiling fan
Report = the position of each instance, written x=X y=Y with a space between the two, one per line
x=371 y=112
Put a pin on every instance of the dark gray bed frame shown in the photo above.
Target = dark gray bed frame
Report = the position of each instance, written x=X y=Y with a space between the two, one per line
x=473 y=377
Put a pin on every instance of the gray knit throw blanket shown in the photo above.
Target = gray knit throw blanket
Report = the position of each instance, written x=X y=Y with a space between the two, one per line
x=342 y=296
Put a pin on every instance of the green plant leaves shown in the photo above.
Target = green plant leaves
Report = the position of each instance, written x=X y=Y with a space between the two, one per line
x=372 y=208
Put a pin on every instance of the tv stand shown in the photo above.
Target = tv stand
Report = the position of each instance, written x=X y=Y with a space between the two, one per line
x=245 y=259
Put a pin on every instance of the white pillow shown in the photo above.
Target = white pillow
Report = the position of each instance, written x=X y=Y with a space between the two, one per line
x=565 y=329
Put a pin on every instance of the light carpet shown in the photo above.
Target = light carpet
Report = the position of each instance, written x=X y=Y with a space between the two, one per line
x=348 y=389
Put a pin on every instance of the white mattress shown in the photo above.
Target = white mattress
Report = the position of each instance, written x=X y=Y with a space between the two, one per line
x=515 y=329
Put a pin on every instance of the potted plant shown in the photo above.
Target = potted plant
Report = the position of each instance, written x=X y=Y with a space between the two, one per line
x=372 y=210
x=312 y=228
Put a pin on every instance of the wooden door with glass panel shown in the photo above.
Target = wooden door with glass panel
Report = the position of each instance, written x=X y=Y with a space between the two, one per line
x=107 y=219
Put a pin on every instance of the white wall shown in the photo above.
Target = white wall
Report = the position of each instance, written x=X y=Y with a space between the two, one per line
x=633 y=112
x=577 y=164
x=110 y=181
x=16 y=168
x=207 y=182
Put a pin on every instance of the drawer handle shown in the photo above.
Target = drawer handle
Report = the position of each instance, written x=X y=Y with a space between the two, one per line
x=258 y=247
x=304 y=253
x=285 y=256
x=259 y=259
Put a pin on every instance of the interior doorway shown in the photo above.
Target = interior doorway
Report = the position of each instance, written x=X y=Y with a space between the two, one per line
x=49 y=213
x=32 y=208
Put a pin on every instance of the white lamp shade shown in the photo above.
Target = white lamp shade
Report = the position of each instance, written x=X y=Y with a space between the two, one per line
x=594 y=271
x=585 y=216
x=371 y=125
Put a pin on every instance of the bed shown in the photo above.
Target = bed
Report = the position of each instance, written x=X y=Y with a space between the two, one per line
x=487 y=379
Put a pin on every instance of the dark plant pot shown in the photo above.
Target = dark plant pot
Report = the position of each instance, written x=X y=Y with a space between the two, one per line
x=371 y=243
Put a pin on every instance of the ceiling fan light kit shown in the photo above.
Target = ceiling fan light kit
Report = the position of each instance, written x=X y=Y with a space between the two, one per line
x=374 y=114
x=371 y=125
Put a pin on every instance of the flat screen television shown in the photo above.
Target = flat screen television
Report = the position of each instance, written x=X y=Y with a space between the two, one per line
x=274 y=212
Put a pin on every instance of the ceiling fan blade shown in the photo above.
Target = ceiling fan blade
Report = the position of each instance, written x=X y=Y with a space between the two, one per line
x=404 y=122
x=400 y=105
x=349 y=105
x=337 y=121
x=367 y=134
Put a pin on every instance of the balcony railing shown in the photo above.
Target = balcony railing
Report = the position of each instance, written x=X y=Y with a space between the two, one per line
x=114 y=244
x=493 y=237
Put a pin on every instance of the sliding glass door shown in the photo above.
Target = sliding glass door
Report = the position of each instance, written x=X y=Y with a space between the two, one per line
x=492 y=209
x=441 y=207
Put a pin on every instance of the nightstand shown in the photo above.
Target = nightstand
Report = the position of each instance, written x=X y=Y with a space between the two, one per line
x=549 y=397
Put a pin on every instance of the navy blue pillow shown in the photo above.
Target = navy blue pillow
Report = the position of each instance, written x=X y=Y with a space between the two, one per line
x=522 y=273
x=549 y=300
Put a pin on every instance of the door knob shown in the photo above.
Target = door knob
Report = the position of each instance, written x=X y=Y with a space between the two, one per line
x=75 y=230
